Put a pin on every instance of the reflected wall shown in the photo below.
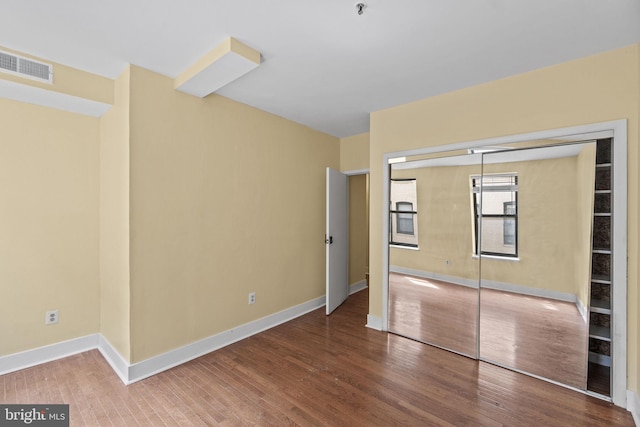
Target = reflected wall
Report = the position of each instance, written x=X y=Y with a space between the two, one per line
x=501 y=270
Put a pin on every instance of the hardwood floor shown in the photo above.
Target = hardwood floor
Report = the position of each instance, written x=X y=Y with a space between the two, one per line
x=314 y=370
x=536 y=335
x=541 y=336
x=435 y=312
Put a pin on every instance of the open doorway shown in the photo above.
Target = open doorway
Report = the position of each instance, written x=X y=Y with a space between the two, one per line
x=358 y=231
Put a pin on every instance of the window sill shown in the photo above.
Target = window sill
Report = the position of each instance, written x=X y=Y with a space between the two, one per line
x=412 y=248
x=498 y=257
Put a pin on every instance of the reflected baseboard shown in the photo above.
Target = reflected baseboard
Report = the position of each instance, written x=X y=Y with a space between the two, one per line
x=470 y=283
x=357 y=287
x=495 y=285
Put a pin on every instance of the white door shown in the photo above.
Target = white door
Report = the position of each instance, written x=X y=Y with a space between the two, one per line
x=337 y=239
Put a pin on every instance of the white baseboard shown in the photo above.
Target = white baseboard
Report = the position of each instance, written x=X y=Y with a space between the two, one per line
x=489 y=284
x=178 y=356
x=357 y=287
x=113 y=358
x=526 y=290
x=582 y=310
x=633 y=406
x=130 y=373
x=470 y=283
x=49 y=353
x=374 y=322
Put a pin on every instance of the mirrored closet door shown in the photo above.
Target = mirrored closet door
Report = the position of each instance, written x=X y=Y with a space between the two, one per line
x=433 y=280
x=504 y=253
x=536 y=215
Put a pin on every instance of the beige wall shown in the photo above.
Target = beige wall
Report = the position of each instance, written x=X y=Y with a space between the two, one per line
x=225 y=200
x=49 y=225
x=114 y=220
x=445 y=222
x=594 y=89
x=358 y=228
x=354 y=152
x=548 y=231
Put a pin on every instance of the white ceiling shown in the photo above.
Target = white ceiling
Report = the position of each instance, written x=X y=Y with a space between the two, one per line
x=323 y=65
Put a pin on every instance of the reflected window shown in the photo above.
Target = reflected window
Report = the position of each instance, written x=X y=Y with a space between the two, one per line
x=495 y=200
x=405 y=220
x=403 y=213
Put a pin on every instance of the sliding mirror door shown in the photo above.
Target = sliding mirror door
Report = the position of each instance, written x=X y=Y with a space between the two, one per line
x=533 y=233
x=433 y=277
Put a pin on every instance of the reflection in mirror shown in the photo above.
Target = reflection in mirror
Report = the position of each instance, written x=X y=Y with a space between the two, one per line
x=535 y=221
x=433 y=279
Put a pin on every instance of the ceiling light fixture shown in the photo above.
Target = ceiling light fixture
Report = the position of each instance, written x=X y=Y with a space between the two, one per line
x=360 y=7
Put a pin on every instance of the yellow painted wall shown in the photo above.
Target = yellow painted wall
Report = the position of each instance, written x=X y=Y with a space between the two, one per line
x=49 y=225
x=358 y=228
x=445 y=222
x=354 y=152
x=598 y=88
x=225 y=200
x=67 y=80
x=548 y=230
x=114 y=220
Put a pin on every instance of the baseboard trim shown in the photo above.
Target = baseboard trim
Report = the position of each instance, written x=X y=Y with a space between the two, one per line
x=582 y=310
x=374 y=322
x=470 y=283
x=114 y=359
x=489 y=284
x=633 y=406
x=178 y=356
x=357 y=287
x=130 y=373
x=26 y=359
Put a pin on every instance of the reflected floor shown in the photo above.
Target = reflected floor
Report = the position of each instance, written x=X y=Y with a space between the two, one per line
x=540 y=336
x=434 y=312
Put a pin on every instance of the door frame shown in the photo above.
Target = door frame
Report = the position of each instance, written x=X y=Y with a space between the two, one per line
x=348 y=173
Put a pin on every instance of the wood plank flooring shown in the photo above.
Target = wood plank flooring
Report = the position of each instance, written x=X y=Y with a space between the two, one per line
x=540 y=336
x=314 y=370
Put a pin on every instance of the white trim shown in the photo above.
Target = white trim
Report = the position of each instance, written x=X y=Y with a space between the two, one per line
x=26 y=359
x=619 y=297
x=633 y=406
x=411 y=248
x=130 y=373
x=582 y=310
x=492 y=284
x=52 y=99
x=526 y=290
x=469 y=283
x=619 y=266
x=357 y=287
x=178 y=356
x=356 y=172
x=114 y=359
x=374 y=322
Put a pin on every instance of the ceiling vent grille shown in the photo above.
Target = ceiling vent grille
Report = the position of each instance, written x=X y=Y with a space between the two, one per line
x=23 y=67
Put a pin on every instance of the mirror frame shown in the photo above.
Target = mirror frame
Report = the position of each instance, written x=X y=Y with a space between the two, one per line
x=618 y=128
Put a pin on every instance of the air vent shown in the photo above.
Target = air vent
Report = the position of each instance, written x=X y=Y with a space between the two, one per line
x=23 y=67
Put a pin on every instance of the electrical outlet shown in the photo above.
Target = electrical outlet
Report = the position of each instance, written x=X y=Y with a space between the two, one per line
x=51 y=317
x=252 y=298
